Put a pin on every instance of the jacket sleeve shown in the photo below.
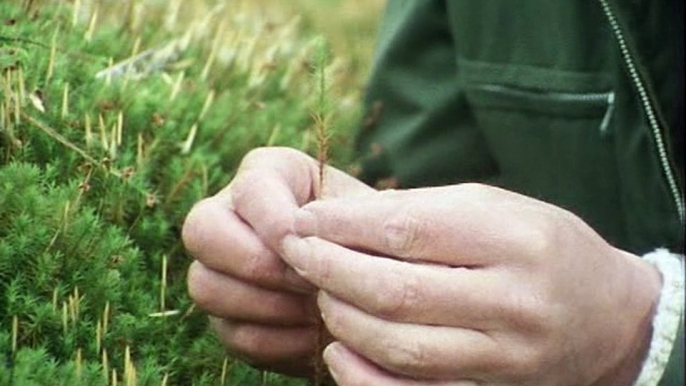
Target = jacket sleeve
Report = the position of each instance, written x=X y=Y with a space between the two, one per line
x=674 y=373
x=664 y=363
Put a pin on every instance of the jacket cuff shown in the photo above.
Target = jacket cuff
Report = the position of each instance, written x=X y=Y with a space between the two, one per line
x=668 y=317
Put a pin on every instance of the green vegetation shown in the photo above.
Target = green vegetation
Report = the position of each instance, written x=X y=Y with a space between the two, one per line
x=113 y=122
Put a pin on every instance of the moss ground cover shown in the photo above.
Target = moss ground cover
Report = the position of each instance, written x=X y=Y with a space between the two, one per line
x=115 y=117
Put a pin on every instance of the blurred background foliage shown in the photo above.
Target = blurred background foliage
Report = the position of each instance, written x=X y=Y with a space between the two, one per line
x=115 y=117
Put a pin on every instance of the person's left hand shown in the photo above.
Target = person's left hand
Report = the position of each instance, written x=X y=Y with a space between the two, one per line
x=471 y=285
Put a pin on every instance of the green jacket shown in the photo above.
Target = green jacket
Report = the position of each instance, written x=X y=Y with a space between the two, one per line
x=577 y=103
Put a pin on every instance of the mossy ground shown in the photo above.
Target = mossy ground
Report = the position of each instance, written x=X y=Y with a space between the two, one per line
x=97 y=173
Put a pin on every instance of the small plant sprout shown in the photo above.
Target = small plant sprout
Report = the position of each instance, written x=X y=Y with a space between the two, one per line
x=163 y=286
x=89 y=130
x=136 y=47
x=225 y=369
x=105 y=363
x=172 y=15
x=16 y=99
x=53 y=53
x=78 y=363
x=98 y=335
x=77 y=297
x=113 y=141
x=15 y=333
x=274 y=135
x=3 y=116
x=209 y=62
x=91 y=25
x=105 y=318
x=65 y=318
x=54 y=299
x=21 y=83
x=209 y=100
x=103 y=132
x=65 y=225
x=320 y=118
x=139 y=150
x=71 y=307
x=129 y=368
x=75 y=13
x=120 y=127
x=65 y=101
x=188 y=143
x=177 y=86
x=164 y=314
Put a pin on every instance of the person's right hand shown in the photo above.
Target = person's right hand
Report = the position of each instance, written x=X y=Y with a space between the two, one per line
x=260 y=308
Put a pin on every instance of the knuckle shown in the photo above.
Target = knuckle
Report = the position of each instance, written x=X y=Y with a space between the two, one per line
x=539 y=244
x=257 y=268
x=269 y=157
x=249 y=343
x=243 y=186
x=195 y=227
x=256 y=155
x=545 y=232
x=528 y=311
x=401 y=298
x=410 y=358
x=545 y=236
x=405 y=233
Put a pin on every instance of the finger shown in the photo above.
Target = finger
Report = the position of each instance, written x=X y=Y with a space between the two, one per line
x=285 y=350
x=417 y=351
x=349 y=369
x=397 y=290
x=220 y=240
x=229 y=298
x=272 y=182
x=465 y=225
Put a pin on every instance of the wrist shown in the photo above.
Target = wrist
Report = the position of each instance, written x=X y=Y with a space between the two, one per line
x=645 y=283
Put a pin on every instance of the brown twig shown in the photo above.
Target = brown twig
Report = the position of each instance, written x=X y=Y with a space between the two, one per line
x=322 y=137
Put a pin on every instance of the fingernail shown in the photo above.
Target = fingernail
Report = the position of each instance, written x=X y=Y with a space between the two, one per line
x=305 y=223
x=322 y=299
x=295 y=253
x=331 y=355
x=330 y=358
x=334 y=375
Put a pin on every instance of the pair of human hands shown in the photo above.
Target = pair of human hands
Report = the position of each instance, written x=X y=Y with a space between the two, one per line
x=458 y=285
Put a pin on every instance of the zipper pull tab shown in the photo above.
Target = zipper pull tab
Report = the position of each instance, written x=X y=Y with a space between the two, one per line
x=605 y=124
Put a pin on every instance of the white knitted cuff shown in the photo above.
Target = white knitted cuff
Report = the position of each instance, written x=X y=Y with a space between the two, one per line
x=670 y=311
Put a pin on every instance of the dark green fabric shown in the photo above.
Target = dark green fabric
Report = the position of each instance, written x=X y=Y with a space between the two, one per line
x=515 y=93
x=674 y=375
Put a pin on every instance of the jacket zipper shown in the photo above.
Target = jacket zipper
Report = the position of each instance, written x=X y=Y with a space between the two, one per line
x=600 y=97
x=647 y=106
x=607 y=98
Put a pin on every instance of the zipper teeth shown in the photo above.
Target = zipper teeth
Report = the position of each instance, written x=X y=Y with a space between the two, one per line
x=599 y=97
x=647 y=106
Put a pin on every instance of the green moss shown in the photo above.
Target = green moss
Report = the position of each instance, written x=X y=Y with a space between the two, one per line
x=94 y=189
